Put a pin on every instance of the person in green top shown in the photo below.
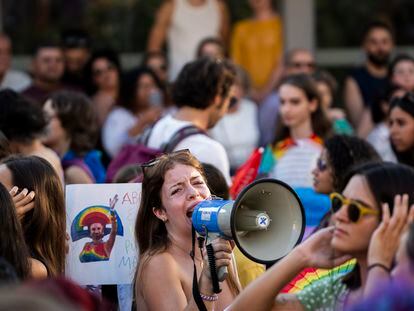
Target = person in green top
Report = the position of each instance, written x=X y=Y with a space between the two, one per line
x=373 y=192
x=327 y=87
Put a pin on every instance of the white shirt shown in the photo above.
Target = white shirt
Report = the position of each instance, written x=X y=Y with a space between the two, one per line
x=189 y=25
x=15 y=80
x=204 y=148
x=115 y=130
x=296 y=165
x=379 y=138
x=238 y=132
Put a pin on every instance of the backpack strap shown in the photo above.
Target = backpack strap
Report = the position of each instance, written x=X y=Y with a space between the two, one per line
x=180 y=135
x=145 y=136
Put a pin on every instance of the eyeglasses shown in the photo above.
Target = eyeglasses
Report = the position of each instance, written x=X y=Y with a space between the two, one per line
x=321 y=165
x=355 y=209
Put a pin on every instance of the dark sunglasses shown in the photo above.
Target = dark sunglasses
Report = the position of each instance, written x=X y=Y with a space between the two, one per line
x=355 y=209
x=321 y=165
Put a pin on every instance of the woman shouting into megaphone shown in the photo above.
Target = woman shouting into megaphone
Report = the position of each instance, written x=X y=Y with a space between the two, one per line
x=172 y=186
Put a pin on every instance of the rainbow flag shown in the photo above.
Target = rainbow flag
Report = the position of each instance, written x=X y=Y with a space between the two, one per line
x=309 y=275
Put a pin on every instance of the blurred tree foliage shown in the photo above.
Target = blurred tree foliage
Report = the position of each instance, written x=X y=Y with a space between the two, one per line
x=124 y=24
x=341 y=23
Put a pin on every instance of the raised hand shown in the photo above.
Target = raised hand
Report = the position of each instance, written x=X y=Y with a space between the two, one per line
x=23 y=200
x=386 y=238
x=318 y=252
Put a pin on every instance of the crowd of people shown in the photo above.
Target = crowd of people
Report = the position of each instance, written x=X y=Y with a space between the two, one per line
x=219 y=96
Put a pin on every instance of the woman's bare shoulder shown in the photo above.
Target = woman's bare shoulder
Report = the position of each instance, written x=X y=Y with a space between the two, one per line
x=37 y=269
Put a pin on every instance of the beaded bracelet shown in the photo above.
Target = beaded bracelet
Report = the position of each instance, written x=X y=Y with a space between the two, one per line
x=380 y=265
x=213 y=297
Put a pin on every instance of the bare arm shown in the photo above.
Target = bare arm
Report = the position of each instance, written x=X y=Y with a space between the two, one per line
x=160 y=27
x=354 y=102
x=263 y=293
x=224 y=30
x=111 y=240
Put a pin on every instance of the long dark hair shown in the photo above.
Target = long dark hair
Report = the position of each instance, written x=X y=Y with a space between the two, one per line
x=12 y=245
x=44 y=226
x=150 y=232
x=385 y=180
x=320 y=124
x=78 y=118
x=405 y=103
x=111 y=56
x=130 y=84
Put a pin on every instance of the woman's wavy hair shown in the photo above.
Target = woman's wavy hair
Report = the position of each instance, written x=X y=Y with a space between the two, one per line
x=343 y=153
x=321 y=126
x=129 y=87
x=77 y=117
x=44 y=226
x=12 y=245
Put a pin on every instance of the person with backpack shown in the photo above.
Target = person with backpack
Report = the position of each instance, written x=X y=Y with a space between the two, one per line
x=202 y=94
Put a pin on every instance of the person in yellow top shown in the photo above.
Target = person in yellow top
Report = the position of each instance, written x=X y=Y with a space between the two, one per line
x=257 y=46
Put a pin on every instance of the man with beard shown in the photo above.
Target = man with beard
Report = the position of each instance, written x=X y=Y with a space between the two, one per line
x=367 y=83
x=98 y=250
x=202 y=93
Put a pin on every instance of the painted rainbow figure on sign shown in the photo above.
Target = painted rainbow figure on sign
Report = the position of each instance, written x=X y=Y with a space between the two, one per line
x=93 y=222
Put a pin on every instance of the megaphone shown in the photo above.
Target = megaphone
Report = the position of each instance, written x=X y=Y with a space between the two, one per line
x=266 y=221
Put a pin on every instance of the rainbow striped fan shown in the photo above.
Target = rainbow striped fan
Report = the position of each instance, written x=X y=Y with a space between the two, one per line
x=94 y=214
x=309 y=275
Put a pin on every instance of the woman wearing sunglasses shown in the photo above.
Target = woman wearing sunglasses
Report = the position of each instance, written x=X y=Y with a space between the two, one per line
x=172 y=186
x=339 y=154
x=372 y=191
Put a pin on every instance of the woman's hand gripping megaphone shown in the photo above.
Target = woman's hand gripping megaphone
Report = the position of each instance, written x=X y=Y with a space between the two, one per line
x=217 y=257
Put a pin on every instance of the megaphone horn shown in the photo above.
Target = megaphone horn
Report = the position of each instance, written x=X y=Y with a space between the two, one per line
x=266 y=220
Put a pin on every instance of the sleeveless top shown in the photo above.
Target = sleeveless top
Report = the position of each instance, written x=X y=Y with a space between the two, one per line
x=189 y=25
x=93 y=252
x=372 y=88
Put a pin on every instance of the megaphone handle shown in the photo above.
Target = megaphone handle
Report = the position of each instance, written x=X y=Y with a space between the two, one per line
x=213 y=269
